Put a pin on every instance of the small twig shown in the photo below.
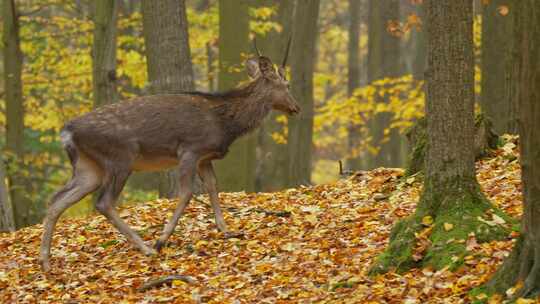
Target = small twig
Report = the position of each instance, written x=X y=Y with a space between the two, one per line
x=166 y=280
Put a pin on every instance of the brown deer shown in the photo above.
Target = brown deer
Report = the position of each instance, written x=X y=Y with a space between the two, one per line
x=159 y=132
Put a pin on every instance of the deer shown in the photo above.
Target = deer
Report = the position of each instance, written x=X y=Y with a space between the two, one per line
x=157 y=132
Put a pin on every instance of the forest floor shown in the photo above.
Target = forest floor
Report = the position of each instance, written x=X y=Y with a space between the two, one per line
x=311 y=244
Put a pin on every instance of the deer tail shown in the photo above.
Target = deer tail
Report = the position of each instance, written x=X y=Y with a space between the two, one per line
x=66 y=136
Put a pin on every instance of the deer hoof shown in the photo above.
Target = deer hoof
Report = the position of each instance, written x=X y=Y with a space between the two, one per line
x=230 y=235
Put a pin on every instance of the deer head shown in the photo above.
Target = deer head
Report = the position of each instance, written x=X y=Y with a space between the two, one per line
x=262 y=69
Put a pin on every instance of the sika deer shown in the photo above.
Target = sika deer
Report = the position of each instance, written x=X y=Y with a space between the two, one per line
x=159 y=132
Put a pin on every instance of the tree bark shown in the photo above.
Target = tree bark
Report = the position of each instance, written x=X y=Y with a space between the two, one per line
x=523 y=265
x=451 y=193
x=104 y=52
x=300 y=128
x=496 y=52
x=237 y=170
x=25 y=212
x=165 y=29
x=7 y=218
x=383 y=61
x=271 y=173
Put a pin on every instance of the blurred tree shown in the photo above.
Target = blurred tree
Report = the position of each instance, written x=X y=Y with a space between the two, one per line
x=353 y=64
x=522 y=267
x=7 y=219
x=237 y=170
x=165 y=29
x=420 y=47
x=271 y=173
x=451 y=193
x=384 y=61
x=496 y=60
x=104 y=52
x=302 y=62
x=25 y=212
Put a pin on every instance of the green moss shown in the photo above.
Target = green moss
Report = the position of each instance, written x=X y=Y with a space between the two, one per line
x=459 y=211
x=399 y=253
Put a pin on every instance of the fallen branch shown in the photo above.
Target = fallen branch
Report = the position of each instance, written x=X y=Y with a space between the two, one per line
x=166 y=280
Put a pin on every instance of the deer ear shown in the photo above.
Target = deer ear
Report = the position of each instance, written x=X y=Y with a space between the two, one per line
x=252 y=68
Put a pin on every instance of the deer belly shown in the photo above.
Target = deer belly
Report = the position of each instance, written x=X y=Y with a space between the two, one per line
x=153 y=163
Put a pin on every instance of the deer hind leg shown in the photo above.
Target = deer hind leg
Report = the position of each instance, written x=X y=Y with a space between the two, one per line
x=206 y=172
x=188 y=162
x=105 y=204
x=86 y=179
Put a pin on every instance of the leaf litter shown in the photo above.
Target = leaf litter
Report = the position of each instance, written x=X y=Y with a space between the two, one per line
x=304 y=245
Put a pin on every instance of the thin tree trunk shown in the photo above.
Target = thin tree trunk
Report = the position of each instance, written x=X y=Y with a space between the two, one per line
x=237 y=171
x=420 y=46
x=354 y=163
x=300 y=128
x=496 y=51
x=25 y=212
x=165 y=29
x=104 y=52
x=383 y=61
x=271 y=173
x=7 y=218
x=451 y=193
x=523 y=265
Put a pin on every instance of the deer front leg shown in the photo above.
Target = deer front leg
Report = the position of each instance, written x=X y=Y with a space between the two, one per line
x=188 y=162
x=206 y=171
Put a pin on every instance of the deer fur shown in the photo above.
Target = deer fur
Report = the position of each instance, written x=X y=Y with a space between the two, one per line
x=158 y=132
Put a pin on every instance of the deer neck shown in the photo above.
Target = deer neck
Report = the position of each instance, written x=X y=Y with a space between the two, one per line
x=243 y=113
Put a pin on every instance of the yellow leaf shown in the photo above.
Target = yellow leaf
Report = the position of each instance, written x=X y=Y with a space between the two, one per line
x=448 y=226
x=177 y=283
x=525 y=301
x=427 y=220
x=503 y=10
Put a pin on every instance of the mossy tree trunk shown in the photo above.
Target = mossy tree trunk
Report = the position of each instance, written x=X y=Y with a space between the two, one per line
x=271 y=170
x=104 y=52
x=523 y=265
x=451 y=203
x=236 y=171
x=7 y=218
x=165 y=29
x=26 y=213
x=302 y=63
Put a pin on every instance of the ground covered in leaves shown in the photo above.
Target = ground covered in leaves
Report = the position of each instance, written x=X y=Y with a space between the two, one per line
x=311 y=244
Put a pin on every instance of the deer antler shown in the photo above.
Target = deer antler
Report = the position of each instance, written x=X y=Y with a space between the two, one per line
x=287 y=52
x=255 y=45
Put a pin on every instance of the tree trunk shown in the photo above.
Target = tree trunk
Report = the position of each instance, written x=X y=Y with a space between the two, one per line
x=383 y=61
x=271 y=173
x=237 y=170
x=496 y=51
x=451 y=193
x=7 y=218
x=104 y=52
x=25 y=212
x=300 y=128
x=354 y=163
x=523 y=265
x=165 y=30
